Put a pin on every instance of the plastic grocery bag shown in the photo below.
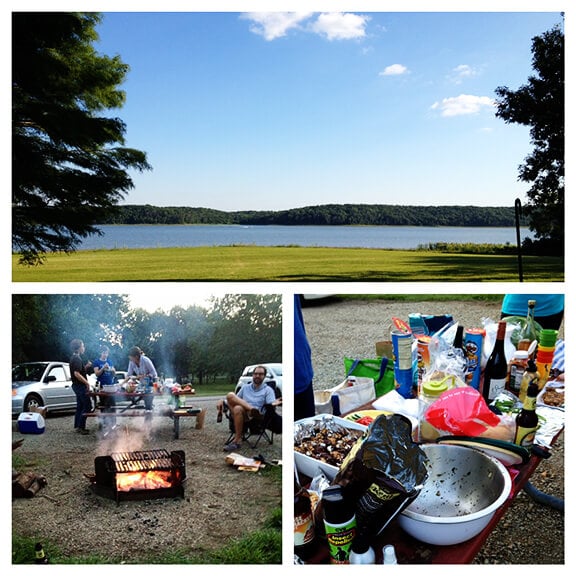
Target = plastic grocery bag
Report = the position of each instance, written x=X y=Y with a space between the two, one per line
x=461 y=412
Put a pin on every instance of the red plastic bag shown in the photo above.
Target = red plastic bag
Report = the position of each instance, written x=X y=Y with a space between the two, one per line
x=461 y=412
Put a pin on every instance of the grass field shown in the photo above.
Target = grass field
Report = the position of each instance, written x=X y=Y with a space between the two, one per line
x=284 y=264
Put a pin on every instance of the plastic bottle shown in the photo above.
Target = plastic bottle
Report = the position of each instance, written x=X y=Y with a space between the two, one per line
x=531 y=374
x=339 y=524
x=362 y=552
x=389 y=555
x=527 y=419
x=304 y=533
x=496 y=368
x=516 y=368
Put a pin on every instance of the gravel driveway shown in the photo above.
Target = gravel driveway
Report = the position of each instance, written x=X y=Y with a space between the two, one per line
x=529 y=533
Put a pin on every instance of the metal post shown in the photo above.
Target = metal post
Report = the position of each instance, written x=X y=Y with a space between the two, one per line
x=517 y=212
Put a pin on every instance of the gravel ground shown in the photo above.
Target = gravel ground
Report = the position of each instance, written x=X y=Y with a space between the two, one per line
x=530 y=532
x=220 y=504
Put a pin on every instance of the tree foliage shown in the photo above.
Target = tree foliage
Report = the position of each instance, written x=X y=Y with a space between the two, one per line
x=539 y=104
x=69 y=162
x=327 y=214
x=189 y=343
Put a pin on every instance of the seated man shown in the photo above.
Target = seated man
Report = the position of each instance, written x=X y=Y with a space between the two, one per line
x=248 y=403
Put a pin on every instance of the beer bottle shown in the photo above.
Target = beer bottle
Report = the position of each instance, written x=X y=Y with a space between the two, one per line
x=304 y=533
x=527 y=419
x=40 y=556
x=496 y=369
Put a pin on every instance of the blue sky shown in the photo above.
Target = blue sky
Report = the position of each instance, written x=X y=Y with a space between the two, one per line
x=270 y=111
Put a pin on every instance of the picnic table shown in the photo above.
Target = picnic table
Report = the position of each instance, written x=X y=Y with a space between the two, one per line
x=412 y=551
x=135 y=408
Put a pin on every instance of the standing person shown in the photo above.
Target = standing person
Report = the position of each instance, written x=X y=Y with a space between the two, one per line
x=105 y=374
x=80 y=385
x=304 y=406
x=248 y=403
x=141 y=366
x=549 y=310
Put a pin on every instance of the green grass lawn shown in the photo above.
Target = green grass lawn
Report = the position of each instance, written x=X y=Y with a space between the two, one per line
x=284 y=264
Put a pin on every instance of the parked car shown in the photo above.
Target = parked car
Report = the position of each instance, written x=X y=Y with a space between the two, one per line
x=37 y=384
x=273 y=377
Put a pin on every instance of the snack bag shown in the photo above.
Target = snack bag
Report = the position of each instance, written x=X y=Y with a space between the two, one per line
x=383 y=473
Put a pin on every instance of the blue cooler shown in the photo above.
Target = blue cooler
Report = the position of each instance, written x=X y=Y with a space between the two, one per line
x=31 y=423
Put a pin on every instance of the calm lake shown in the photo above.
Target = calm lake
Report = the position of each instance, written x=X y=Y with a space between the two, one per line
x=158 y=236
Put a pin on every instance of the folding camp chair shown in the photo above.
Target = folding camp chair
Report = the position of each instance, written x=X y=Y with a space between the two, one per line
x=265 y=426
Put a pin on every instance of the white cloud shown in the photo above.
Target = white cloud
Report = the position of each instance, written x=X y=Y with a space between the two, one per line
x=463 y=105
x=272 y=25
x=394 y=70
x=462 y=72
x=340 y=26
x=331 y=25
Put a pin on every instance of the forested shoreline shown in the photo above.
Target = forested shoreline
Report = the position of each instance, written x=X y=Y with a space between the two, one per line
x=328 y=214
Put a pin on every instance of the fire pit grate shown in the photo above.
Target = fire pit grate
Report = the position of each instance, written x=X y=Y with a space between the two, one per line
x=140 y=475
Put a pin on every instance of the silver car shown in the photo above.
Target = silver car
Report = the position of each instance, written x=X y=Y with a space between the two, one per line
x=36 y=384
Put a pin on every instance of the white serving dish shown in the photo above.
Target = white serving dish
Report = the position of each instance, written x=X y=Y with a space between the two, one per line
x=554 y=385
x=310 y=466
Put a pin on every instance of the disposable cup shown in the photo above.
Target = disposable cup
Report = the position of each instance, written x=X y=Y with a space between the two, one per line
x=548 y=337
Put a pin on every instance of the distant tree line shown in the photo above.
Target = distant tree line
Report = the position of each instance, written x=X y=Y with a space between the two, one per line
x=328 y=214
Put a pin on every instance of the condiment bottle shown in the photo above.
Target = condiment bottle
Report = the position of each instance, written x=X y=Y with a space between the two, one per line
x=527 y=419
x=431 y=390
x=304 y=533
x=530 y=375
x=362 y=552
x=389 y=554
x=496 y=368
x=516 y=369
x=339 y=524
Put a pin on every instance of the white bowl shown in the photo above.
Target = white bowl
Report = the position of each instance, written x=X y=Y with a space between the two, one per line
x=463 y=490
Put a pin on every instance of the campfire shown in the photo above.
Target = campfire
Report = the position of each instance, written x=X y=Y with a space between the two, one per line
x=140 y=475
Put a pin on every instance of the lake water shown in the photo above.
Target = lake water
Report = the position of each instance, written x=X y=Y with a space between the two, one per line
x=159 y=236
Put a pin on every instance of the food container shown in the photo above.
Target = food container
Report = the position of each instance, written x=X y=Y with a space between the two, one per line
x=311 y=466
x=552 y=394
x=464 y=489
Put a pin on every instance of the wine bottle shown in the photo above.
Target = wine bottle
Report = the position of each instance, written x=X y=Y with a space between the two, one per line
x=496 y=369
x=527 y=419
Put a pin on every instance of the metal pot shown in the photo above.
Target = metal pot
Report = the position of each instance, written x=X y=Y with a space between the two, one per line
x=463 y=490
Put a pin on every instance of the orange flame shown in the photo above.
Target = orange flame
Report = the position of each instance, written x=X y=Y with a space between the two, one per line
x=145 y=480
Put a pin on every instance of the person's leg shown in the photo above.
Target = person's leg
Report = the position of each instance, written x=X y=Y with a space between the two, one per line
x=232 y=400
x=551 y=322
x=304 y=406
x=238 y=415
